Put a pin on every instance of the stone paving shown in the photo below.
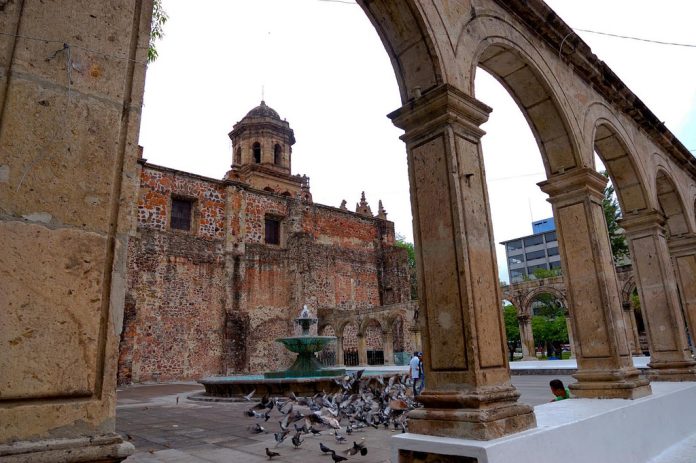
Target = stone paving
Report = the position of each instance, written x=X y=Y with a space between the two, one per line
x=166 y=427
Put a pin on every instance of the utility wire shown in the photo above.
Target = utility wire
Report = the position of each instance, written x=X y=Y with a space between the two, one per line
x=659 y=42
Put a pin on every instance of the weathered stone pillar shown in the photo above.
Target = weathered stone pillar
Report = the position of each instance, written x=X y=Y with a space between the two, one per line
x=468 y=393
x=340 y=361
x=71 y=86
x=670 y=357
x=683 y=251
x=571 y=341
x=605 y=366
x=388 y=347
x=526 y=338
x=632 y=329
x=362 y=350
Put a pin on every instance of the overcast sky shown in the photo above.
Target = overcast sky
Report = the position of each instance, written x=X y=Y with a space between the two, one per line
x=322 y=66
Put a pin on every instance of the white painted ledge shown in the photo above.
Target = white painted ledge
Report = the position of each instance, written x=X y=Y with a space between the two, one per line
x=582 y=430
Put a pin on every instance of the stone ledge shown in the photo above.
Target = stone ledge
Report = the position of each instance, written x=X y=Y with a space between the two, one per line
x=107 y=448
x=578 y=430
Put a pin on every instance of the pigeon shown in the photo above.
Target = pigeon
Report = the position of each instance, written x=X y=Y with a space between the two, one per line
x=324 y=448
x=297 y=439
x=339 y=438
x=357 y=448
x=271 y=454
x=280 y=436
x=250 y=395
x=337 y=458
x=258 y=429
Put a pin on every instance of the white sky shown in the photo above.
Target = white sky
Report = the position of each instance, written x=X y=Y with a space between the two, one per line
x=324 y=68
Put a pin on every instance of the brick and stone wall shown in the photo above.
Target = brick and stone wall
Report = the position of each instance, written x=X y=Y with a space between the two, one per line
x=213 y=300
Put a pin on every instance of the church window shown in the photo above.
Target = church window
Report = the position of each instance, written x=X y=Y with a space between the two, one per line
x=277 y=155
x=238 y=156
x=256 y=148
x=181 y=214
x=272 y=230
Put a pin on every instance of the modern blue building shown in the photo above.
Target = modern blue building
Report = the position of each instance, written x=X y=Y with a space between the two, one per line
x=531 y=252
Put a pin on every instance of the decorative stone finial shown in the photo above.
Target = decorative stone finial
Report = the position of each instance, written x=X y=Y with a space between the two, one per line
x=343 y=205
x=362 y=207
x=381 y=213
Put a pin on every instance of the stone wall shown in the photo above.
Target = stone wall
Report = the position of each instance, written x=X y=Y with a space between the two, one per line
x=214 y=299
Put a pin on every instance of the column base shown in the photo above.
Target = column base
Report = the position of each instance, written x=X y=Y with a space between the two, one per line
x=107 y=448
x=610 y=384
x=482 y=415
x=671 y=371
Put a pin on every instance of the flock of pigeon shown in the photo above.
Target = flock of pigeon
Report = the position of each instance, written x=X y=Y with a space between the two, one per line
x=362 y=401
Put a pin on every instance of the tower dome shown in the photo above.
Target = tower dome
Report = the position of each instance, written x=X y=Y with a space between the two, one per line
x=263 y=110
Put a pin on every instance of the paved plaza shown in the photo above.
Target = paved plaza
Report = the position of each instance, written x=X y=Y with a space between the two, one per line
x=164 y=426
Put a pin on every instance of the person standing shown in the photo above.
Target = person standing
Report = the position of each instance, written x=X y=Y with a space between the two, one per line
x=414 y=371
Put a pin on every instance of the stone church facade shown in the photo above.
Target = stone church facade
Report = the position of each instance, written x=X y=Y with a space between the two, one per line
x=218 y=269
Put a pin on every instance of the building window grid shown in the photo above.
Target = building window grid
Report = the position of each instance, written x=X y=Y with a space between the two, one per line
x=519 y=246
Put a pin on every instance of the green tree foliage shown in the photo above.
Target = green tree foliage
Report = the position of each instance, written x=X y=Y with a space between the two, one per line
x=159 y=18
x=541 y=273
x=548 y=323
x=612 y=213
x=400 y=242
x=512 y=327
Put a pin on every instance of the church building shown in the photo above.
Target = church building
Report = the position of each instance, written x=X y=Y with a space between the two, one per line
x=218 y=269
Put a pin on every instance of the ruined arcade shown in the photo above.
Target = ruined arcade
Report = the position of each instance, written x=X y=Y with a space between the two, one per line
x=69 y=177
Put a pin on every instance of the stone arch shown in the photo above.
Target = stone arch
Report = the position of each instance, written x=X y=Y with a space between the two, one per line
x=532 y=295
x=349 y=333
x=671 y=204
x=397 y=326
x=627 y=290
x=327 y=356
x=374 y=339
x=621 y=164
x=528 y=81
x=410 y=43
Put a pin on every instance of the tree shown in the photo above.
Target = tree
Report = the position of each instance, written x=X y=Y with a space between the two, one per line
x=400 y=242
x=512 y=327
x=159 y=18
x=541 y=273
x=548 y=323
x=612 y=213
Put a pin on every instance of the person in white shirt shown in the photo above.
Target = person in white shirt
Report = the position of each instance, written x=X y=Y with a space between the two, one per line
x=415 y=367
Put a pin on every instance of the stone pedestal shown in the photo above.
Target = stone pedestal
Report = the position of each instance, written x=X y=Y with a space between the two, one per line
x=526 y=338
x=468 y=393
x=670 y=357
x=683 y=252
x=605 y=367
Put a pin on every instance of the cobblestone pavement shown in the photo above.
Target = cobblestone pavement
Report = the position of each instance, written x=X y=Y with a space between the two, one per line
x=166 y=427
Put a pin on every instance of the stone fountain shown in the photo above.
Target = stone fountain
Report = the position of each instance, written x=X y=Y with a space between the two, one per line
x=305 y=376
x=305 y=346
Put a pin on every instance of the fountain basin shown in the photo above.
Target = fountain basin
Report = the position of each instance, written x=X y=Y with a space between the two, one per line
x=306 y=364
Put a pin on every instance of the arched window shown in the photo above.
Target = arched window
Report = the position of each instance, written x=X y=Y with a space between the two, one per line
x=256 y=148
x=277 y=155
x=238 y=156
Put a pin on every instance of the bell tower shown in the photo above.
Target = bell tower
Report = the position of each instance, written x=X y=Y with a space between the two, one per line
x=261 y=138
x=262 y=152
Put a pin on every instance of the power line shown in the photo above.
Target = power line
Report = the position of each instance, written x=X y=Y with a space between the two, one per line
x=659 y=42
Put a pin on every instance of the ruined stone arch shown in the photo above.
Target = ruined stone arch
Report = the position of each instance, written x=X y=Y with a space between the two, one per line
x=534 y=88
x=670 y=202
x=367 y=322
x=611 y=143
x=407 y=37
x=627 y=290
x=531 y=296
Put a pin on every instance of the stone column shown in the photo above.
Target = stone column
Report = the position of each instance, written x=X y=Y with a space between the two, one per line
x=526 y=338
x=468 y=393
x=362 y=350
x=683 y=251
x=571 y=341
x=670 y=357
x=632 y=329
x=605 y=366
x=388 y=347
x=340 y=361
